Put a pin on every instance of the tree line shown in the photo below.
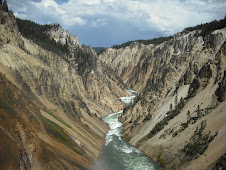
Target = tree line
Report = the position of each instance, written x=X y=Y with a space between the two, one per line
x=158 y=40
x=38 y=34
x=206 y=29
x=4 y=6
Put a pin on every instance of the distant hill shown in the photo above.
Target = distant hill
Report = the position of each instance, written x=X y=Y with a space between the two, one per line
x=99 y=49
x=145 y=42
x=205 y=28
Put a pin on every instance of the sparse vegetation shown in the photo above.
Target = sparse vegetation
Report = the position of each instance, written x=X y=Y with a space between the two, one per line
x=8 y=108
x=58 y=133
x=199 y=142
x=22 y=47
x=43 y=58
x=147 y=118
x=145 y=42
x=193 y=87
x=219 y=67
x=85 y=60
x=160 y=160
x=200 y=113
x=38 y=34
x=160 y=125
x=221 y=163
x=221 y=90
x=57 y=118
x=99 y=50
x=207 y=28
x=205 y=71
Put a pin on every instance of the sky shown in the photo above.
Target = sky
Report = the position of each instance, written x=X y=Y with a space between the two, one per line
x=103 y=23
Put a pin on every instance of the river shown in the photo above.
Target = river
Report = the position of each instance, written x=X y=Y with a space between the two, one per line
x=117 y=154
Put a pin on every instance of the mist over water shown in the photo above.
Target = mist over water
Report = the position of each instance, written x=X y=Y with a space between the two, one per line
x=118 y=154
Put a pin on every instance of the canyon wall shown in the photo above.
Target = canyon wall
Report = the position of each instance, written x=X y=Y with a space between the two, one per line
x=51 y=106
x=178 y=117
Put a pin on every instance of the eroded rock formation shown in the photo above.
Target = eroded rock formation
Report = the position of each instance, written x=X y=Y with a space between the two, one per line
x=51 y=106
x=176 y=81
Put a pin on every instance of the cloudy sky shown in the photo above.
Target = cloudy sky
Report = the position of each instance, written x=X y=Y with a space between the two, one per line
x=109 y=22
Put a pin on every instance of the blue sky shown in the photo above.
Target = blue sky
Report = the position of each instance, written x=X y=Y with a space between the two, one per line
x=109 y=22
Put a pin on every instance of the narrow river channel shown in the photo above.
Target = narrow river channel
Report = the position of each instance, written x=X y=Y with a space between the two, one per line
x=118 y=154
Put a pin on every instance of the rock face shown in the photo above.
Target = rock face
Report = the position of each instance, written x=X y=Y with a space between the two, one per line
x=63 y=36
x=221 y=90
x=123 y=61
x=51 y=105
x=205 y=71
x=176 y=81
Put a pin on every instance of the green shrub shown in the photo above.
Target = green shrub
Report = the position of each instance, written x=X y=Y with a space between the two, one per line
x=58 y=118
x=38 y=34
x=198 y=143
x=58 y=133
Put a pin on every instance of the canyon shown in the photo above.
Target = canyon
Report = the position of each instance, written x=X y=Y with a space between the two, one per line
x=178 y=83
x=52 y=104
x=50 y=113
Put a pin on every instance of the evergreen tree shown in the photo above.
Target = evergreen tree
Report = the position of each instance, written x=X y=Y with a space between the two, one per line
x=5 y=6
x=207 y=28
x=171 y=107
x=181 y=104
x=4 y=2
x=37 y=33
x=198 y=111
x=188 y=115
x=176 y=102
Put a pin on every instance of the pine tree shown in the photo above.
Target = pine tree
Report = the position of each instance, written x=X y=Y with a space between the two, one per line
x=176 y=102
x=4 y=2
x=188 y=115
x=5 y=5
x=171 y=107
x=181 y=104
x=196 y=70
x=198 y=111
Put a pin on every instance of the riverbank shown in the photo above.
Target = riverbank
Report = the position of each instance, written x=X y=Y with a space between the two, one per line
x=117 y=153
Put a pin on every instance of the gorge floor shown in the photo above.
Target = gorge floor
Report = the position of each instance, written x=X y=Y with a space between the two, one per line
x=118 y=154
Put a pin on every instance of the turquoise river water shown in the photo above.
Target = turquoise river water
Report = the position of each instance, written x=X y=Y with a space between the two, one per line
x=117 y=154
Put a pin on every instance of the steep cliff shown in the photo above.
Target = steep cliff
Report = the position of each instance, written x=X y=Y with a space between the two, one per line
x=51 y=104
x=63 y=36
x=53 y=94
x=178 y=118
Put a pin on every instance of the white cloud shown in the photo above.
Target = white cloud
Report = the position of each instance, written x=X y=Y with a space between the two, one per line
x=68 y=21
x=164 y=17
x=88 y=2
x=18 y=15
x=78 y=20
x=99 y=22
x=110 y=0
x=52 y=3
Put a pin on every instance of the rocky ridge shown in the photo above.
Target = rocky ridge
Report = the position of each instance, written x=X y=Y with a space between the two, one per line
x=63 y=36
x=177 y=82
x=56 y=105
x=51 y=105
